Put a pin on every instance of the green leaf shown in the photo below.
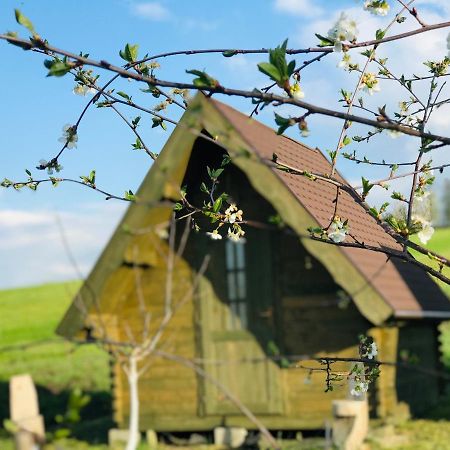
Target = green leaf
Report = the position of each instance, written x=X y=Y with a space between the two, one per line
x=57 y=68
x=28 y=172
x=346 y=141
x=135 y=121
x=367 y=186
x=124 y=95
x=271 y=71
x=130 y=52
x=380 y=34
x=203 y=79
x=129 y=195
x=158 y=122
x=291 y=67
x=217 y=205
x=283 y=123
x=204 y=188
x=324 y=41
x=137 y=145
x=24 y=21
x=216 y=173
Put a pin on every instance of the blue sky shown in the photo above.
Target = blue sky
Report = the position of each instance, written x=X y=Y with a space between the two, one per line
x=34 y=108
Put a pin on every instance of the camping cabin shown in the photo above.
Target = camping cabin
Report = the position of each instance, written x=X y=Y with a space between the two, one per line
x=277 y=293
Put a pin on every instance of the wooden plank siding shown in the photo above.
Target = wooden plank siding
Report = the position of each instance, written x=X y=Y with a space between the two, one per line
x=166 y=388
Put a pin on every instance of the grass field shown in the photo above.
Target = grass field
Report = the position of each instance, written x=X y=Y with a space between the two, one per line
x=440 y=243
x=28 y=344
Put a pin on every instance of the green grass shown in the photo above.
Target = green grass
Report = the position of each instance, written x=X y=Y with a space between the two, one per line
x=439 y=243
x=28 y=344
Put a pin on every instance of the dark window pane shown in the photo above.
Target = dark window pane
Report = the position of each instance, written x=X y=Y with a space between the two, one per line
x=231 y=283
x=241 y=285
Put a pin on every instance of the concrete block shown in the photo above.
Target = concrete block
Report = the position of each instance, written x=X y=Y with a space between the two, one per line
x=350 y=423
x=23 y=399
x=231 y=436
x=24 y=413
x=117 y=438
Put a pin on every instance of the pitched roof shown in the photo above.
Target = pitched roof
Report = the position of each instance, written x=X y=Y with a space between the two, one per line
x=405 y=287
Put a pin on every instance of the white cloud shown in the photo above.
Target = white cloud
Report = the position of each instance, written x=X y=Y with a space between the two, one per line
x=152 y=11
x=12 y=218
x=32 y=242
x=303 y=8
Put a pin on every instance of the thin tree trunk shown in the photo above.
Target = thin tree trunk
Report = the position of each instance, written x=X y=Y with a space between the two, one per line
x=133 y=427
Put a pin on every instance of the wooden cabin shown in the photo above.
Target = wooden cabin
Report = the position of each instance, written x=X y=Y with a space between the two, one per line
x=279 y=293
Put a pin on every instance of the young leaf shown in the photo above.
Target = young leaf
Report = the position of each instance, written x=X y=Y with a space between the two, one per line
x=324 y=41
x=203 y=79
x=380 y=34
x=24 y=21
x=367 y=186
x=130 y=196
x=283 y=123
x=57 y=68
x=129 y=53
x=124 y=95
x=217 y=205
x=271 y=71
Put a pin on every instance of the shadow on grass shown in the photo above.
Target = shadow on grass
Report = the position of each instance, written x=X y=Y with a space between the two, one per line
x=96 y=417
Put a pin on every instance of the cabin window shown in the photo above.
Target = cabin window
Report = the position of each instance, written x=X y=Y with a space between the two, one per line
x=236 y=284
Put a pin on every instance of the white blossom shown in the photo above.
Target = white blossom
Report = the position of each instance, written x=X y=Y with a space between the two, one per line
x=421 y=214
x=345 y=62
x=344 y=30
x=372 y=351
x=369 y=83
x=297 y=92
x=235 y=234
x=82 y=89
x=360 y=388
x=233 y=214
x=377 y=7
x=69 y=137
x=425 y=233
x=214 y=235
x=337 y=231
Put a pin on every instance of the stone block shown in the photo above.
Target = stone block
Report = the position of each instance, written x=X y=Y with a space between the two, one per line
x=350 y=423
x=232 y=437
x=117 y=438
x=23 y=399
x=24 y=411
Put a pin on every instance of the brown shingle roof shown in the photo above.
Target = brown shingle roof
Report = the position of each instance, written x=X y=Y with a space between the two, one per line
x=405 y=287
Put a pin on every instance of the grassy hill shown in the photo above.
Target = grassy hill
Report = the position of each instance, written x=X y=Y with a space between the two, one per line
x=440 y=243
x=28 y=344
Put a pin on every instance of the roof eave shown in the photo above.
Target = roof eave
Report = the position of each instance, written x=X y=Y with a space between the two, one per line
x=421 y=314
